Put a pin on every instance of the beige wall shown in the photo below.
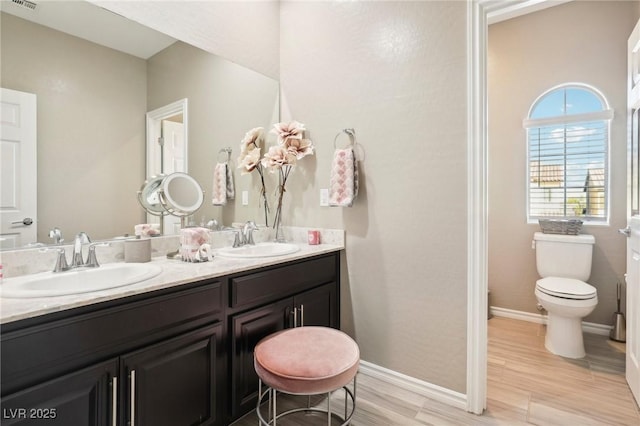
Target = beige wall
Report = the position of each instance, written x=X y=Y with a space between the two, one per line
x=225 y=101
x=396 y=73
x=91 y=103
x=575 y=42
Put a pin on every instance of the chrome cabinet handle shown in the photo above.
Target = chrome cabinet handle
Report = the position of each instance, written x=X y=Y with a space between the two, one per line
x=301 y=315
x=625 y=231
x=132 y=389
x=295 y=317
x=114 y=401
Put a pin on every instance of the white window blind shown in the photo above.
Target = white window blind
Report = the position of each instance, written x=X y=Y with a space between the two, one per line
x=568 y=157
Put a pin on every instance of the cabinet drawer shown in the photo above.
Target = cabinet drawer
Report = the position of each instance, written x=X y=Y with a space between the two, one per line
x=36 y=353
x=282 y=281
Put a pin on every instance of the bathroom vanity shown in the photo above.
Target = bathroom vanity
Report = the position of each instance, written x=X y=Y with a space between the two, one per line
x=175 y=355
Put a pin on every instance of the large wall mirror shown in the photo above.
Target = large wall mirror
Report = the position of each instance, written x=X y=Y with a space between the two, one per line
x=92 y=98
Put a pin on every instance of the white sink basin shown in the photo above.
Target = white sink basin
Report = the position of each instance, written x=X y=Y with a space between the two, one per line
x=83 y=280
x=259 y=250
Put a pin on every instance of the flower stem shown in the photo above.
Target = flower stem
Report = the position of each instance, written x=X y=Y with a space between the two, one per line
x=263 y=195
x=284 y=174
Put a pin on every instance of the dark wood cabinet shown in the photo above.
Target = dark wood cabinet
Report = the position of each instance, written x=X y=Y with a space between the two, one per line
x=85 y=397
x=318 y=306
x=172 y=339
x=177 y=357
x=246 y=331
x=176 y=382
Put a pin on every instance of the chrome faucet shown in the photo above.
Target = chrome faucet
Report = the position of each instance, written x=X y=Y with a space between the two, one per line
x=247 y=232
x=243 y=236
x=56 y=235
x=76 y=259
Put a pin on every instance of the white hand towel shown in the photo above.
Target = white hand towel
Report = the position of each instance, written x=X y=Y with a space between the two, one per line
x=343 y=186
x=219 y=192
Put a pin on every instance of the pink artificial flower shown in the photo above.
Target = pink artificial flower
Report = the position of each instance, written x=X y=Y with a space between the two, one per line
x=285 y=131
x=278 y=157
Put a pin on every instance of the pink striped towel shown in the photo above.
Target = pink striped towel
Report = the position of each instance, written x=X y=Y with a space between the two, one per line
x=343 y=186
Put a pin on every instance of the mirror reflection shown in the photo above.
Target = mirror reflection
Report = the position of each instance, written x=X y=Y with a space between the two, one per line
x=181 y=194
x=177 y=194
x=91 y=107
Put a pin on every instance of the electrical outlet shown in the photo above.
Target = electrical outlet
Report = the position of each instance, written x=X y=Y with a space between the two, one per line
x=324 y=197
x=245 y=198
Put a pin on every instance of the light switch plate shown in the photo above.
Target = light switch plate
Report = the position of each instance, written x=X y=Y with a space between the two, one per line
x=245 y=198
x=324 y=197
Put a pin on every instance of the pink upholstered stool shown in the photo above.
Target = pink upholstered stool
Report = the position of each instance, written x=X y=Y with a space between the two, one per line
x=306 y=361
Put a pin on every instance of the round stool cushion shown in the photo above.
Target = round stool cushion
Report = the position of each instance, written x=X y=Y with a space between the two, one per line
x=307 y=360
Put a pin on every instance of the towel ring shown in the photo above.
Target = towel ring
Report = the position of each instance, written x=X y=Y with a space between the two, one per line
x=349 y=132
x=228 y=156
x=357 y=148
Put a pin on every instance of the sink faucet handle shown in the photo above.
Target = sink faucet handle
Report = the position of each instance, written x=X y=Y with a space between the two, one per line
x=92 y=260
x=237 y=239
x=61 y=260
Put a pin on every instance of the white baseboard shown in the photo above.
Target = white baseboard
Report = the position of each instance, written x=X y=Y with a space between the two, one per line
x=587 y=327
x=426 y=389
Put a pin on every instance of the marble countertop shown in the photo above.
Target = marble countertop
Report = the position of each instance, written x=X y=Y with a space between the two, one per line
x=174 y=273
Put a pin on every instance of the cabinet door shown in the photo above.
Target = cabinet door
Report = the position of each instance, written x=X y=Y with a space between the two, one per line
x=177 y=382
x=247 y=330
x=86 y=397
x=318 y=306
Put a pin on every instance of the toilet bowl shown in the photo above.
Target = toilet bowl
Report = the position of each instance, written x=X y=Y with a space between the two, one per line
x=564 y=264
x=567 y=301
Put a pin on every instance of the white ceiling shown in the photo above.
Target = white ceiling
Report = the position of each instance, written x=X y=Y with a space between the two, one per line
x=91 y=22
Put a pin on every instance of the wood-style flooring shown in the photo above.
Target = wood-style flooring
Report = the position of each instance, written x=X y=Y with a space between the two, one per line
x=526 y=386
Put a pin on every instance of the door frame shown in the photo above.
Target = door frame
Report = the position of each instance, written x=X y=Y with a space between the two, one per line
x=154 y=124
x=481 y=13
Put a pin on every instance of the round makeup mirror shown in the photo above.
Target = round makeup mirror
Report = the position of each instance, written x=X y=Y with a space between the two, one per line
x=181 y=194
x=149 y=195
x=177 y=194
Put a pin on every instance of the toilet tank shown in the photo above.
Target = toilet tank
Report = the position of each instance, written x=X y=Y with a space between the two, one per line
x=565 y=256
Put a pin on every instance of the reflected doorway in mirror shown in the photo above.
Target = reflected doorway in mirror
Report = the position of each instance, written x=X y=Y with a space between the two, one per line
x=167 y=147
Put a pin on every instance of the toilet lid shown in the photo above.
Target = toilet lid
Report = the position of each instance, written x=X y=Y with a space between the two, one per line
x=567 y=288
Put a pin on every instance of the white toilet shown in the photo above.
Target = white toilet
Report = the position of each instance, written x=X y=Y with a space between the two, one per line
x=564 y=263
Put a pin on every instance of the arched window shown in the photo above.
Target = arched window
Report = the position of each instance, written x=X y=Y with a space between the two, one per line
x=568 y=154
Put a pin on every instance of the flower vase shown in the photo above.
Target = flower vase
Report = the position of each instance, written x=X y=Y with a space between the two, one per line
x=265 y=205
x=279 y=238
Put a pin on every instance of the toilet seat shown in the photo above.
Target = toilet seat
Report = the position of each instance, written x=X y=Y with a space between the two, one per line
x=566 y=288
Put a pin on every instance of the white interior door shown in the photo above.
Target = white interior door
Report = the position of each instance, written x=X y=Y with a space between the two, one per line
x=632 y=366
x=174 y=148
x=174 y=161
x=633 y=230
x=18 y=169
